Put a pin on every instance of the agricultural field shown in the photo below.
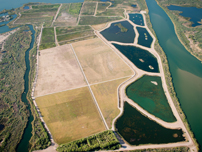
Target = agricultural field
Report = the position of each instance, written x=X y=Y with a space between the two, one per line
x=65 y=18
x=38 y=14
x=75 y=8
x=70 y=115
x=88 y=8
x=106 y=95
x=102 y=7
x=93 y=20
x=58 y=71
x=99 y=62
x=47 y=39
x=112 y=12
x=71 y=29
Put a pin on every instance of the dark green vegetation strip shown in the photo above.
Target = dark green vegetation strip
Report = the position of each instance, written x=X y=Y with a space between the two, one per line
x=88 y=8
x=75 y=35
x=151 y=97
x=13 y=112
x=175 y=149
x=70 y=29
x=112 y=12
x=123 y=29
x=137 y=129
x=75 y=8
x=78 y=39
x=48 y=38
x=45 y=6
x=102 y=141
x=180 y=28
x=92 y=20
x=40 y=138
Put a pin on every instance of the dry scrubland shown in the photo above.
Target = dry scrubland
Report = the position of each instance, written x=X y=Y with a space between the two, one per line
x=58 y=71
x=99 y=62
x=107 y=98
x=70 y=115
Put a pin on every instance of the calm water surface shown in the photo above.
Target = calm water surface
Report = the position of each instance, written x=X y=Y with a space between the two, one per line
x=195 y=14
x=144 y=38
x=137 y=19
x=149 y=94
x=185 y=69
x=137 y=129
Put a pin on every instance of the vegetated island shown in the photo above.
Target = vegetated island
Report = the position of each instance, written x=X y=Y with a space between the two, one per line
x=123 y=29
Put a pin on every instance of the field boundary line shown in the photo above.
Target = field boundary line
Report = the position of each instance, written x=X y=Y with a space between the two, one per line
x=111 y=80
x=62 y=91
x=95 y=101
x=56 y=14
x=56 y=40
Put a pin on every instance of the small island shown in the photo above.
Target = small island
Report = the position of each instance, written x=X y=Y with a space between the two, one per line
x=123 y=29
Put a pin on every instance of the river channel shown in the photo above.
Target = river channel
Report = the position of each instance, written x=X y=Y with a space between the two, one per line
x=185 y=69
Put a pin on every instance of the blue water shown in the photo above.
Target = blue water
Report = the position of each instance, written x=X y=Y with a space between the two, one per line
x=134 y=5
x=6 y=28
x=195 y=14
x=26 y=7
x=137 y=19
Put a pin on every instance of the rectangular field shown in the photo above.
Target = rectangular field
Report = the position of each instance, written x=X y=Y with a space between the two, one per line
x=58 y=71
x=88 y=8
x=75 y=8
x=112 y=12
x=99 y=62
x=48 y=38
x=75 y=35
x=69 y=29
x=106 y=96
x=70 y=115
x=102 y=6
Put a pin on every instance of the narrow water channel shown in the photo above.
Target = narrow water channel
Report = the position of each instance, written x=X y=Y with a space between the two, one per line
x=185 y=69
x=24 y=143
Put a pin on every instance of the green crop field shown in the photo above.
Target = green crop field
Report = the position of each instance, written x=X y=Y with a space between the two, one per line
x=48 y=38
x=63 y=30
x=75 y=8
x=70 y=115
x=112 y=12
x=102 y=6
x=88 y=8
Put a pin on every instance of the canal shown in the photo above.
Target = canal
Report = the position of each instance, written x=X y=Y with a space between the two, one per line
x=185 y=69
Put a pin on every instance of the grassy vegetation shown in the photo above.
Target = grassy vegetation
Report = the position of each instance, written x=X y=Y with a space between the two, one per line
x=184 y=32
x=123 y=29
x=78 y=39
x=112 y=12
x=168 y=75
x=175 y=149
x=45 y=6
x=48 y=38
x=102 y=6
x=102 y=141
x=13 y=113
x=92 y=20
x=75 y=35
x=88 y=8
x=64 y=8
x=70 y=115
x=69 y=29
x=106 y=95
x=75 y=8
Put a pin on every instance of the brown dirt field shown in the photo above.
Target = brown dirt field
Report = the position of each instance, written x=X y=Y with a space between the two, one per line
x=70 y=115
x=106 y=96
x=98 y=26
x=67 y=18
x=99 y=62
x=58 y=71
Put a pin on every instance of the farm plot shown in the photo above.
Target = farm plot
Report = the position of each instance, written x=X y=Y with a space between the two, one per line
x=70 y=115
x=71 y=36
x=93 y=20
x=58 y=71
x=75 y=8
x=88 y=8
x=99 y=62
x=65 y=18
x=102 y=7
x=38 y=14
x=112 y=12
x=106 y=96
x=47 y=39
x=71 y=29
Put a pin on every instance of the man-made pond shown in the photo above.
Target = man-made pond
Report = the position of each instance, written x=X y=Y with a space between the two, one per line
x=26 y=8
x=137 y=129
x=143 y=59
x=114 y=33
x=194 y=13
x=1 y=127
x=144 y=38
x=185 y=69
x=137 y=19
x=149 y=94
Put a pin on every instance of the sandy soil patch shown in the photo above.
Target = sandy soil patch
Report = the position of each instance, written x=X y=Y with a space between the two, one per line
x=99 y=62
x=67 y=18
x=106 y=95
x=70 y=115
x=99 y=26
x=58 y=71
